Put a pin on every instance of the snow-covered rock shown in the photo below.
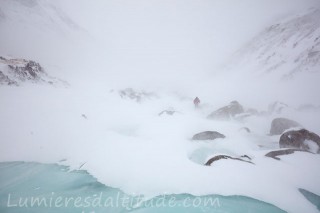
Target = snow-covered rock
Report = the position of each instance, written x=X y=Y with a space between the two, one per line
x=17 y=71
x=276 y=153
x=208 y=135
x=279 y=125
x=225 y=157
x=227 y=112
x=302 y=139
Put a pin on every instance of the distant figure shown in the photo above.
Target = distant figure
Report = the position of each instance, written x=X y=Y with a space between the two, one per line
x=196 y=102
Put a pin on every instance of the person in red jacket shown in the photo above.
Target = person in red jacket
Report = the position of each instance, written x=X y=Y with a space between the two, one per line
x=196 y=102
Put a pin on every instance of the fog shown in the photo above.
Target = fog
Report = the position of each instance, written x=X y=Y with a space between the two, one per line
x=176 y=45
x=174 y=50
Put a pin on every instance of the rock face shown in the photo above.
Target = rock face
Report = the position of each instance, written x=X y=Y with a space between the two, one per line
x=220 y=157
x=137 y=96
x=17 y=71
x=227 y=112
x=275 y=154
x=301 y=139
x=29 y=71
x=279 y=125
x=208 y=135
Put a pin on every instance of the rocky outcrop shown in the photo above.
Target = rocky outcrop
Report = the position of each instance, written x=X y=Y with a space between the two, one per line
x=208 y=135
x=301 y=139
x=137 y=96
x=279 y=125
x=224 y=157
x=275 y=154
x=17 y=71
x=227 y=112
x=30 y=70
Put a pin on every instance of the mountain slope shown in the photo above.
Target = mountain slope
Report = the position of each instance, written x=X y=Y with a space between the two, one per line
x=41 y=30
x=284 y=49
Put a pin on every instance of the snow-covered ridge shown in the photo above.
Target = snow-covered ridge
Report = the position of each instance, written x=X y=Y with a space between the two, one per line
x=16 y=71
x=285 y=48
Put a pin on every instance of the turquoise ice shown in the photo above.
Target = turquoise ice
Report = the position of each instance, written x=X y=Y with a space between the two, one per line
x=34 y=187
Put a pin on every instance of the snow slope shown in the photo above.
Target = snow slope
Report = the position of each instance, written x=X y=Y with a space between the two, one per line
x=41 y=31
x=286 y=48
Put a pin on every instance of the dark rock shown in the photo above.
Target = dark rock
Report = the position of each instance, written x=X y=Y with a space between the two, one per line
x=275 y=154
x=300 y=139
x=227 y=112
x=246 y=156
x=219 y=157
x=208 y=135
x=279 y=125
x=311 y=197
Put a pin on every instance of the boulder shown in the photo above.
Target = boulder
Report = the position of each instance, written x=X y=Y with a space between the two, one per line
x=220 y=157
x=208 y=135
x=227 y=112
x=279 y=125
x=301 y=139
x=276 y=153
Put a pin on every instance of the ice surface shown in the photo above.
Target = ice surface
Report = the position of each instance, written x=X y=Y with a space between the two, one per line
x=31 y=181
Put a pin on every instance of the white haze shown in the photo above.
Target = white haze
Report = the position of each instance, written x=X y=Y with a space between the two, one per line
x=174 y=48
x=173 y=45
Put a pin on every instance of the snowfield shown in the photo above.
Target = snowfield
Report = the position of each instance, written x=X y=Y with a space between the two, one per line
x=127 y=145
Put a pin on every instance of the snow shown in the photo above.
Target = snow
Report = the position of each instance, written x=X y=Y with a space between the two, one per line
x=313 y=146
x=125 y=144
